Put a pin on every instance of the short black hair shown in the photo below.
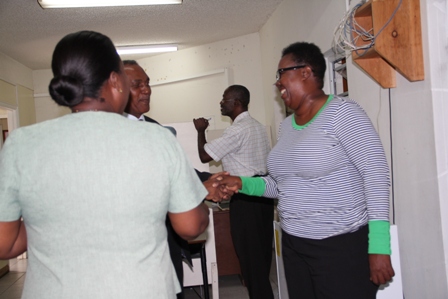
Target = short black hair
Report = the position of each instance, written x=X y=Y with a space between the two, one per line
x=81 y=63
x=310 y=54
x=241 y=94
x=130 y=62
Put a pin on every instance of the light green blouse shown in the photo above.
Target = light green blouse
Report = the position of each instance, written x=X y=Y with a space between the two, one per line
x=94 y=189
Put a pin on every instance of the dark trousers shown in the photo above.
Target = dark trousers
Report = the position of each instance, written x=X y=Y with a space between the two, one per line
x=335 y=267
x=179 y=248
x=251 y=228
x=176 y=244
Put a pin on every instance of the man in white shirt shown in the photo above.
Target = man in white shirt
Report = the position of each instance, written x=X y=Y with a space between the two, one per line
x=243 y=149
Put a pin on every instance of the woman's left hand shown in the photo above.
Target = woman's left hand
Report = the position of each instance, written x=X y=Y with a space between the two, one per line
x=381 y=270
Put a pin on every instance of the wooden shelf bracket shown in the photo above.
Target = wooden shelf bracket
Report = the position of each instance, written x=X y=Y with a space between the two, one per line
x=398 y=47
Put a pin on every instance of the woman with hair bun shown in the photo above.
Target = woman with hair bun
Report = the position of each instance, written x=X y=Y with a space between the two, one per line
x=94 y=188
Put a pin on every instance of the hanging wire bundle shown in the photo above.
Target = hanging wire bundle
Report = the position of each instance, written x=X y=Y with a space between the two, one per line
x=350 y=36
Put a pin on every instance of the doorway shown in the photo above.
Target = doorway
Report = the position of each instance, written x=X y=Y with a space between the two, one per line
x=8 y=122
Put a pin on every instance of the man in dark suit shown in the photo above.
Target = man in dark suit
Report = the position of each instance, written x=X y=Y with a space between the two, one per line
x=140 y=94
x=139 y=98
x=138 y=104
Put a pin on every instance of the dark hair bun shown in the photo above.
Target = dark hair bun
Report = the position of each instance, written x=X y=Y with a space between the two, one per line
x=81 y=63
x=66 y=90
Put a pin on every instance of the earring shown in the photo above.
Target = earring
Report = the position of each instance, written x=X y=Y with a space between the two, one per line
x=120 y=90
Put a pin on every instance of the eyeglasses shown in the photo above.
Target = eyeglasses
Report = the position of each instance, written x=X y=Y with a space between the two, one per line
x=280 y=72
x=140 y=85
x=227 y=100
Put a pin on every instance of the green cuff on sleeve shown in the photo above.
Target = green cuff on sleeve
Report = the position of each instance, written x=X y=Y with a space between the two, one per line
x=252 y=186
x=379 y=237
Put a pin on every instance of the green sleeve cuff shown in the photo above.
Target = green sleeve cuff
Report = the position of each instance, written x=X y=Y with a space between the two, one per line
x=379 y=237
x=252 y=186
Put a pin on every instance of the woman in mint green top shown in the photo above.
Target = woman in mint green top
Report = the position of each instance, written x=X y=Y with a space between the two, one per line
x=329 y=172
x=94 y=188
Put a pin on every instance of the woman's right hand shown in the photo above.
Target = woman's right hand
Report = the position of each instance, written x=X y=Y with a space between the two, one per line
x=381 y=270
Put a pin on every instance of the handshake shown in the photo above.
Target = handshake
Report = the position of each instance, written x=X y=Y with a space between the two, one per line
x=221 y=186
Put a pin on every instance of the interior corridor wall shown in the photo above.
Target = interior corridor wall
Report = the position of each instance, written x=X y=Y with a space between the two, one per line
x=14 y=72
x=436 y=60
x=239 y=57
x=420 y=128
x=417 y=131
x=293 y=21
x=27 y=109
x=16 y=89
x=46 y=108
x=193 y=93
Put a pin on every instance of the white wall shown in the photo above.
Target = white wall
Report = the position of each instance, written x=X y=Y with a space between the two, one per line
x=19 y=77
x=14 y=72
x=437 y=69
x=26 y=107
x=293 y=21
x=240 y=56
x=420 y=134
x=46 y=108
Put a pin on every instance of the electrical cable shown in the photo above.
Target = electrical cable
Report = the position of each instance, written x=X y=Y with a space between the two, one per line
x=391 y=160
x=349 y=32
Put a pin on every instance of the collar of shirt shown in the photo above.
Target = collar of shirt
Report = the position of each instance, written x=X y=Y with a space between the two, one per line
x=241 y=116
x=130 y=116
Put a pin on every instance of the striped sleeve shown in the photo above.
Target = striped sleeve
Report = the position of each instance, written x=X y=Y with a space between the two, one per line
x=364 y=149
x=271 y=190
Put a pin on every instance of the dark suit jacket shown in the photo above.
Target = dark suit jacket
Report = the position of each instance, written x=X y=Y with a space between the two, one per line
x=151 y=120
x=203 y=176
x=176 y=244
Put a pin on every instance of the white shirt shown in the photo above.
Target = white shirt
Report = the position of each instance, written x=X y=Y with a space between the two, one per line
x=243 y=147
x=130 y=116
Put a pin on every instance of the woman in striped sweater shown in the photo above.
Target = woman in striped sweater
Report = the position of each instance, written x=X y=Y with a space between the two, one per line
x=330 y=174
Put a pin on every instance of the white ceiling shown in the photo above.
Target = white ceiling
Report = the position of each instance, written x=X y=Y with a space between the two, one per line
x=28 y=33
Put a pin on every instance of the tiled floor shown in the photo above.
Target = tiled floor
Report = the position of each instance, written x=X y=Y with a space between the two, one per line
x=230 y=287
x=11 y=284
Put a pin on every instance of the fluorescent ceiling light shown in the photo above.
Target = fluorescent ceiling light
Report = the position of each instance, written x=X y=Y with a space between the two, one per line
x=124 y=50
x=99 y=3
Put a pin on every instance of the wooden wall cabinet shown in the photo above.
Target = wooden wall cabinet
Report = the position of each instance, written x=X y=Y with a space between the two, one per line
x=398 y=47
